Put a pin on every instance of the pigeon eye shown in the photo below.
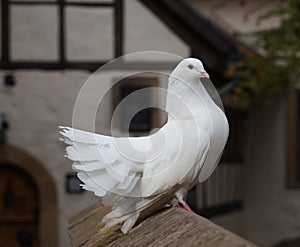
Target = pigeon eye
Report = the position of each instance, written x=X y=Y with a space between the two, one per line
x=190 y=66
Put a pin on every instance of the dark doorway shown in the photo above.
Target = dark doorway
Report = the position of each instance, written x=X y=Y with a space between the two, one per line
x=19 y=208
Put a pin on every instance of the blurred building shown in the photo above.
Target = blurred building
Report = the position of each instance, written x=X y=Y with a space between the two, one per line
x=49 y=49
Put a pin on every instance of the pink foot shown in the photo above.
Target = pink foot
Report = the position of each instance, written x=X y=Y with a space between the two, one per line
x=184 y=205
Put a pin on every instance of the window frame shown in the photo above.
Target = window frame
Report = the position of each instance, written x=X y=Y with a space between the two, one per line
x=62 y=62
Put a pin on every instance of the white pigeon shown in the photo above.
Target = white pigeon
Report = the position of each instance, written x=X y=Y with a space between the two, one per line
x=136 y=176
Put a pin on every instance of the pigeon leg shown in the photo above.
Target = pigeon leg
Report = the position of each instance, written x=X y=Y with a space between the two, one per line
x=181 y=203
x=185 y=206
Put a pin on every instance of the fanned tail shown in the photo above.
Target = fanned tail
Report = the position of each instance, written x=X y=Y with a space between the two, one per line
x=98 y=163
x=102 y=172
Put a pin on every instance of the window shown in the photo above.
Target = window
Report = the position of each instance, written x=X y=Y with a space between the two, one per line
x=73 y=184
x=63 y=33
x=144 y=120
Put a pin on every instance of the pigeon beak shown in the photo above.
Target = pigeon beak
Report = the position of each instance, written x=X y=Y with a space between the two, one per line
x=204 y=74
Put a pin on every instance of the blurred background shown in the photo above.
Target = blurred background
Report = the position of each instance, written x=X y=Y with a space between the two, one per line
x=49 y=48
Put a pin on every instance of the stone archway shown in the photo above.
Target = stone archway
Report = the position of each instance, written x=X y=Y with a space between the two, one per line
x=48 y=215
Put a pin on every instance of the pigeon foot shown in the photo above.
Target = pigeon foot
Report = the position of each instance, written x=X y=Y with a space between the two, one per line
x=183 y=204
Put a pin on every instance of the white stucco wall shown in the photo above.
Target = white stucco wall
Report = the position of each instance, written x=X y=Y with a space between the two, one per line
x=89 y=33
x=39 y=103
x=35 y=107
x=144 y=31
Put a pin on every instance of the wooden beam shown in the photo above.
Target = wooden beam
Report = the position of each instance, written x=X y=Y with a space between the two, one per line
x=88 y=65
x=169 y=227
x=61 y=33
x=199 y=46
x=33 y=2
x=202 y=26
x=69 y=3
x=5 y=47
x=118 y=27
x=205 y=39
x=33 y=65
x=90 y=4
x=292 y=141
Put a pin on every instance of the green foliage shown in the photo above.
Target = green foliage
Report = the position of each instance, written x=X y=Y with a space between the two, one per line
x=277 y=57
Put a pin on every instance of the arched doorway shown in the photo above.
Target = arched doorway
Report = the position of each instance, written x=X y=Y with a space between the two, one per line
x=19 y=207
x=28 y=210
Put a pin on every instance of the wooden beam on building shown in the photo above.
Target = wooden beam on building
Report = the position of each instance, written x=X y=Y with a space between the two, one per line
x=5 y=47
x=61 y=33
x=88 y=65
x=207 y=41
x=16 y=2
x=68 y=3
x=177 y=23
x=119 y=27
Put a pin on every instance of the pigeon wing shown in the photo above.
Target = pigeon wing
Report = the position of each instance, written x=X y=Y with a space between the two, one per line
x=135 y=166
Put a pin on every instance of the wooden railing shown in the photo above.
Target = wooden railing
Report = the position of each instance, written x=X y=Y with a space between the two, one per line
x=168 y=227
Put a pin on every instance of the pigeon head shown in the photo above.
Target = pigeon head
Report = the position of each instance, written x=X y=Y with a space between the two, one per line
x=186 y=88
x=189 y=69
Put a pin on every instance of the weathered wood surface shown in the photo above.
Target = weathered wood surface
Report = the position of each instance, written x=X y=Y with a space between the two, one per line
x=169 y=227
